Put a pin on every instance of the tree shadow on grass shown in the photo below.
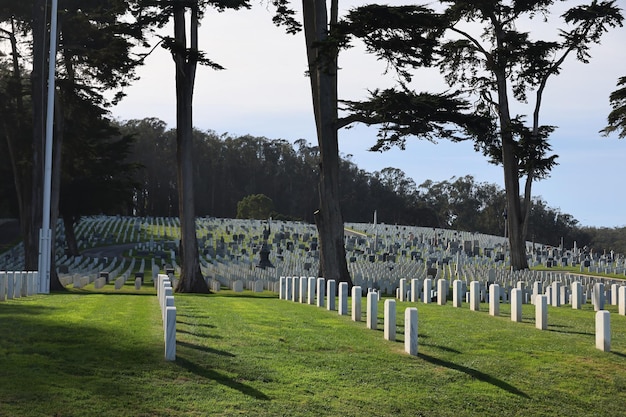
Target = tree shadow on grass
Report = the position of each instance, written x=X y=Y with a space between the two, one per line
x=220 y=379
x=208 y=336
x=205 y=349
x=481 y=376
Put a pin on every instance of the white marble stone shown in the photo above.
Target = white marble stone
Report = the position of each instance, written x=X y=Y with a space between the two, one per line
x=390 y=320
x=442 y=291
x=288 y=288
x=541 y=312
x=295 y=288
x=474 y=298
x=372 y=311
x=577 y=295
x=257 y=286
x=343 y=299
x=457 y=293
x=621 y=300
x=238 y=286
x=428 y=287
x=516 y=305
x=356 y=303
x=410 y=331
x=321 y=292
x=603 y=331
x=556 y=294
x=311 y=291
x=303 y=286
x=598 y=296
x=331 y=293
x=137 y=283
x=283 y=288
x=170 y=334
x=494 y=300
x=402 y=289
x=416 y=289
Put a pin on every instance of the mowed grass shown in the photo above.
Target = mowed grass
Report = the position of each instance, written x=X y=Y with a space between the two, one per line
x=102 y=354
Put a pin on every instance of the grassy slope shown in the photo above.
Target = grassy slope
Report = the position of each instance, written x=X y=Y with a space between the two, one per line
x=86 y=354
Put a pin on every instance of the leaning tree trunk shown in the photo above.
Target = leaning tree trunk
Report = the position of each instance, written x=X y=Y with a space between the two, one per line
x=191 y=279
x=515 y=217
x=323 y=75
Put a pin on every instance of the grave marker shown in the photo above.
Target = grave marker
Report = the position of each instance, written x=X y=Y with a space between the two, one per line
x=390 y=320
x=410 y=331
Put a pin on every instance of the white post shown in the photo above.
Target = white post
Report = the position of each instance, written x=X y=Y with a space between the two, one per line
x=45 y=232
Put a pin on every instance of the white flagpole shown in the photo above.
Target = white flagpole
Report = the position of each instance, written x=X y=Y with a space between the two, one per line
x=45 y=246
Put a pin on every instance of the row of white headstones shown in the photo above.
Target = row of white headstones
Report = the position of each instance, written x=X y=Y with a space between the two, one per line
x=165 y=296
x=315 y=291
x=17 y=284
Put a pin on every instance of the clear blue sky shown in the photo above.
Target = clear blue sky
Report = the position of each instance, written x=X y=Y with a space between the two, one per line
x=264 y=92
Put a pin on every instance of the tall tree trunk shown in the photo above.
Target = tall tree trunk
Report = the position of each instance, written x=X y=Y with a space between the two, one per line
x=515 y=217
x=323 y=76
x=70 y=235
x=191 y=279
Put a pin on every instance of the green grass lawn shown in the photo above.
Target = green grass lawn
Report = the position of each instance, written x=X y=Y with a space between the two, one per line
x=84 y=353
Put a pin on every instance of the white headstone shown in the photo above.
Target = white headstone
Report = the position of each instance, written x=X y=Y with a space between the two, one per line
x=343 y=299
x=410 y=331
x=311 y=291
x=170 y=334
x=474 y=298
x=390 y=320
x=416 y=289
x=331 y=290
x=598 y=296
x=402 y=289
x=303 y=286
x=621 y=300
x=577 y=295
x=321 y=292
x=442 y=291
x=428 y=287
x=356 y=303
x=3 y=286
x=494 y=300
x=372 y=310
x=541 y=312
x=457 y=293
x=603 y=331
x=516 y=305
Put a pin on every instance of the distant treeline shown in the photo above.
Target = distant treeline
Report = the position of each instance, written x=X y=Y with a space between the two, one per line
x=230 y=168
x=105 y=178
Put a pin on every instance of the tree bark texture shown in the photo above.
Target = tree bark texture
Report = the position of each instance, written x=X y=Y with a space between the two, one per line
x=191 y=279
x=323 y=76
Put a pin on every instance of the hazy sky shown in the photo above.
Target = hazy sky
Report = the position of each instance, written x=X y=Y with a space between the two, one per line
x=264 y=92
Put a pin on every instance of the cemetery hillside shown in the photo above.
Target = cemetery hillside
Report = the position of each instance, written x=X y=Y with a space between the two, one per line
x=436 y=323
x=231 y=169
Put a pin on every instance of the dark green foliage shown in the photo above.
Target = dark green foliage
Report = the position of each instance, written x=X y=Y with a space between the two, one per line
x=256 y=206
x=617 y=117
